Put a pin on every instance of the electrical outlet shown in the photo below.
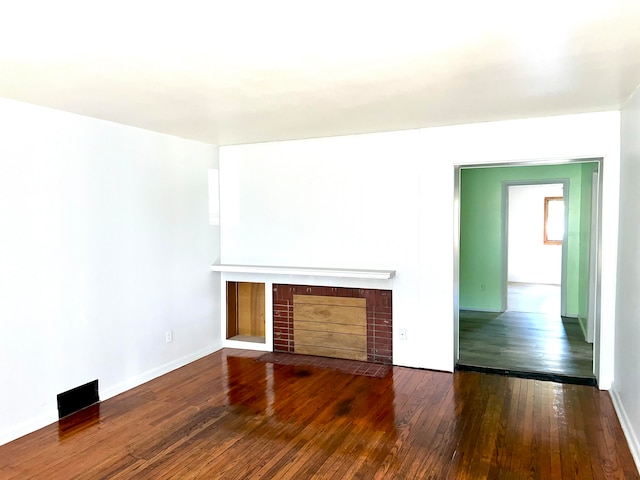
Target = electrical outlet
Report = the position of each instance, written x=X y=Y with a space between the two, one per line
x=402 y=333
x=483 y=287
x=168 y=336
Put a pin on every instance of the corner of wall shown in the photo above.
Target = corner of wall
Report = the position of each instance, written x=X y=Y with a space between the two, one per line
x=51 y=417
x=33 y=424
x=627 y=427
x=583 y=325
x=158 y=372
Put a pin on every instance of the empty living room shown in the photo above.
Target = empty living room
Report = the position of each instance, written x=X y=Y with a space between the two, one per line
x=237 y=238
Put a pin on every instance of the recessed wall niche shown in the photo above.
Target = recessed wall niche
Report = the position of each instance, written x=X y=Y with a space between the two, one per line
x=245 y=312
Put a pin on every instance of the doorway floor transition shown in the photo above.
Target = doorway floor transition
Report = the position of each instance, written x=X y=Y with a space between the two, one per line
x=530 y=339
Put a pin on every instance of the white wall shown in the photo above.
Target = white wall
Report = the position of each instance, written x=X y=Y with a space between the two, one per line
x=386 y=201
x=530 y=260
x=105 y=245
x=348 y=202
x=626 y=388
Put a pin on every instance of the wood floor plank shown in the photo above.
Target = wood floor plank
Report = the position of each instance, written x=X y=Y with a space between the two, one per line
x=521 y=341
x=228 y=416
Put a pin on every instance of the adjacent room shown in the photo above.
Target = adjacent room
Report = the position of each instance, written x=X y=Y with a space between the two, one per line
x=534 y=317
x=339 y=240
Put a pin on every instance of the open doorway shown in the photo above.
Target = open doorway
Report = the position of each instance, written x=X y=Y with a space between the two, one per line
x=524 y=337
x=535 y=222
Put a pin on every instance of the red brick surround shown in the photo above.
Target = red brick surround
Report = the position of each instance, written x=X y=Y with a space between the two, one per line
x=379 y=320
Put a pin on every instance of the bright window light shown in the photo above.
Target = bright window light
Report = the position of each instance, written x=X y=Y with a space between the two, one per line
x=553 y=220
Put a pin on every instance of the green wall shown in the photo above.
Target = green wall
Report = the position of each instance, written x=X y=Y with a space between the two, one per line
x=481 y=232
x=585 y=242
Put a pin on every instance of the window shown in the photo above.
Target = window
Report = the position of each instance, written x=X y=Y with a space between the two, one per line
x=553 y=220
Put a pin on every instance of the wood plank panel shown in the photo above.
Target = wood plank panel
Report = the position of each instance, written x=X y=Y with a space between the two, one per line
x=226 y=416
x=330 y=326
x=329 y=313
x=327 y=300
x=354 y=329
x=345 y=341
x=251 y=309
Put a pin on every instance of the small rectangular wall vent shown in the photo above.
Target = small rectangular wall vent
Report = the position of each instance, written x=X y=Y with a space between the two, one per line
x=78 y=398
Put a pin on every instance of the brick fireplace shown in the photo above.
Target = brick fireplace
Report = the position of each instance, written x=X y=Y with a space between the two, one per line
x=378 y=317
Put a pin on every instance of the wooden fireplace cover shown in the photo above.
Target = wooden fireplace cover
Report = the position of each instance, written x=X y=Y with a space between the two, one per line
x=330 y=326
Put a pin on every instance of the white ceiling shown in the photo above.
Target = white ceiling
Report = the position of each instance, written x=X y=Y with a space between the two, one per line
x=243 y=71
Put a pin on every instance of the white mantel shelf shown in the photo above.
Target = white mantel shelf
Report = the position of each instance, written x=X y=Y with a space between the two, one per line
x=310 y=271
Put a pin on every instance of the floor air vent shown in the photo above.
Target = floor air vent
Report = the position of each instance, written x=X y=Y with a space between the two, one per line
x=77 y=398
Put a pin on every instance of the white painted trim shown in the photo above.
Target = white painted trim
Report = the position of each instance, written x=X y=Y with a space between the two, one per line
x=267 y=346
x=312 y=271
x=599 y=350
x=223 y=309
x=25 y=428
x=584 y=332
x=593 y=257
x=157 y=372
x=456 y=264
x=256 y=346
x=51 y=417
x=627 y=427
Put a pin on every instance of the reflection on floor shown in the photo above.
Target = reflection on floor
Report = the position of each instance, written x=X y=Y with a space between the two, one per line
x=353 y=367
x=228 y=416
x=529 y=337
x=534 y=298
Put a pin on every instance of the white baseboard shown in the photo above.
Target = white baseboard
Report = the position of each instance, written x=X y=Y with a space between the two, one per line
x=157 y=372
x=32 y=425
x=627 y=428
x=11 y=434
x=583 y=326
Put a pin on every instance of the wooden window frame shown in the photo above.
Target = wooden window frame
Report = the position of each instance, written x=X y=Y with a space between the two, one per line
x=546 y=219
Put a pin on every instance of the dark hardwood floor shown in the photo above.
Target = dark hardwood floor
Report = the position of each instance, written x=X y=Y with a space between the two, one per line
x=525 y=342
x=228 y=416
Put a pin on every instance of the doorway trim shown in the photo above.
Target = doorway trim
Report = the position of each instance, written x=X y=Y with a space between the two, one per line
x=457 y=169
x=594 y=272
x=505 y=237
